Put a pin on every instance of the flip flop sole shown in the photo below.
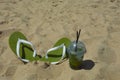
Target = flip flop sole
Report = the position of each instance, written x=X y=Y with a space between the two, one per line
x=26 y=51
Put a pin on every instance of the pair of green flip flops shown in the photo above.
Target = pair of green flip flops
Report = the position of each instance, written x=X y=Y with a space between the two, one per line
x=26 y=52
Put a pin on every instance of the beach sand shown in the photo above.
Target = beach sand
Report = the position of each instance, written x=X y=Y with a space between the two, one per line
x=44 y=22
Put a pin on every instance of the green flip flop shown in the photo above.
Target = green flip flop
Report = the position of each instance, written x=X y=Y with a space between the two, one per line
x=58 y=52
x=26 y=52
x=22 y=48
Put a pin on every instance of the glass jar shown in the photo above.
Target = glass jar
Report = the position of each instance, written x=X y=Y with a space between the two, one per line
x=76 y=53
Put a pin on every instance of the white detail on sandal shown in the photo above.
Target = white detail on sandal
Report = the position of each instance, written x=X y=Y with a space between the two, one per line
x=18 y=49
x=55 y=48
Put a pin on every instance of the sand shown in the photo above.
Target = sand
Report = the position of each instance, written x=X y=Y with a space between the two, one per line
x=45 y=21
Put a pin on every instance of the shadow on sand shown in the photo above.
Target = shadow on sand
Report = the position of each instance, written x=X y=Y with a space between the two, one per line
x=86 y=65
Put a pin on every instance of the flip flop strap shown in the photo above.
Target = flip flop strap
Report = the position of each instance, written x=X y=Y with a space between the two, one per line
x=55 y=48
x=18 y=48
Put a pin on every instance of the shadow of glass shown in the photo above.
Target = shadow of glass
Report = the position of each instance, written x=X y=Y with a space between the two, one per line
x=86 y=65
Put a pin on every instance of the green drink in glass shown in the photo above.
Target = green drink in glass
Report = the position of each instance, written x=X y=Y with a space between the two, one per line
x=76 y=51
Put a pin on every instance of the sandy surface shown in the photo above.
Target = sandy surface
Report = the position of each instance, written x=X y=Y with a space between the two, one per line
x=45 y=21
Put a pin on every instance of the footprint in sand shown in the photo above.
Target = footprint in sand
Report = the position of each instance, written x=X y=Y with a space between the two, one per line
x=50 y=72
x=1 y=68
x=2 y=48
x=32 y=77
x=106 y=54
x=78 y=77
x=6 y=32
x=1 y=33
x=10 y=71
x=110 y=72
x=113 y=28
